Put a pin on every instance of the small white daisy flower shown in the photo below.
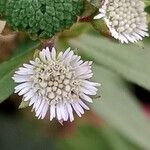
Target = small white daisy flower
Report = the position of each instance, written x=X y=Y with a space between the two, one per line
x=125 y=19
x=56 y=84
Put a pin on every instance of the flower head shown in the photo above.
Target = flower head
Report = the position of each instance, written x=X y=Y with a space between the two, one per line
x=125 y=19
x=57 y=84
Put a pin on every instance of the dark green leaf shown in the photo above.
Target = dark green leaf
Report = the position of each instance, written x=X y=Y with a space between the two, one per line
x=7 y=70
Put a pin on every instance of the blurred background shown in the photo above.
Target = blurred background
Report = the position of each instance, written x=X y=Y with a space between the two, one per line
x=119 y=120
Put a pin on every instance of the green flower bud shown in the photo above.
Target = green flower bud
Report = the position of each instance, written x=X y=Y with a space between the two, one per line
x=42 y=18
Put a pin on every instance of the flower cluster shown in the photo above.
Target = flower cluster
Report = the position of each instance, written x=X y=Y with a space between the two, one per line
x=42 y=18
x=125 y=19
x=57 y=84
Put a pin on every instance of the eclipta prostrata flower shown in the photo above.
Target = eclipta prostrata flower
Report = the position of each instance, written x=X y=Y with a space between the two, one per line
x=56 y=84
x=125 y=19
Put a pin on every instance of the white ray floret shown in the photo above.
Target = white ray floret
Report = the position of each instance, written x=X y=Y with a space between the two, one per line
x=125 y=19
x=56 y=84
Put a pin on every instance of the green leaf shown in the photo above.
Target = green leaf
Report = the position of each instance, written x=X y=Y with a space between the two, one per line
x=147 y=9
x=147 y=2
x=22 y=135
x=120 y=109
x=7 y=70
x=89 y=9
x=131 y=61
x=88 y=138
x=96 y=3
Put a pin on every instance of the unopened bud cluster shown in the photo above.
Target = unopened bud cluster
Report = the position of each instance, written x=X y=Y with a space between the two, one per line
x=42 y=18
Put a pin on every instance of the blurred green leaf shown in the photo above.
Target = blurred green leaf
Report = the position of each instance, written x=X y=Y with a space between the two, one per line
x=147 y=2
x=90 y=138
x=89 y=9
x=131 y=61
x=18 y=135
x=96 y=3
x=120 y=109
x=147 y=9
x=7 y=69
x=23 y=104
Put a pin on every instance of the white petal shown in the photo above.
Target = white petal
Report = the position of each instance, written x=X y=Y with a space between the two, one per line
x=53 y=54
x=42 y=56
x=52 y=112
x=39 y=110
x=60 y=56
x=86 y=76
x=99 y=16
x=24 y=91
x=64 y=113
x=69 y=57
x=48 y=54
x=83 y=105
x=78 y=107
x=87 y=91
x=69 y=108
x=142 y=33
x=86 y=98
x=33 y=100
x=44 y=111
x=37 y=104
x=76 y=110
x=59 y=117
x=66 y=53
x=21 y=86
x=18 y=78
x=137 y=36
x=28 y=95
x=89 y=87
x=28 y=66
x=21 y=72
x=86 y=82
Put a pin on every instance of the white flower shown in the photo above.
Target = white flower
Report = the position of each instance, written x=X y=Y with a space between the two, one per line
x=56 y=84
x=125 y=19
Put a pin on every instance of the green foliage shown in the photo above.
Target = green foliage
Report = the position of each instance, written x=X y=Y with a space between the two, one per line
x=7 y=70
x=42 y=18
